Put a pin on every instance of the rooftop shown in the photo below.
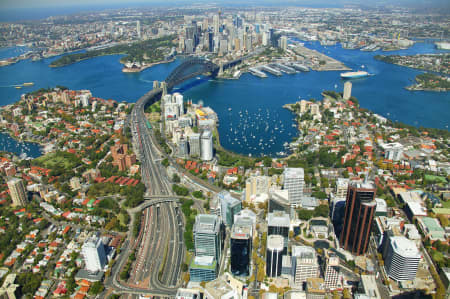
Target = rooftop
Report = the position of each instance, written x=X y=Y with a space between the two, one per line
x=203 y=262
x=294 y=172
x=278 y=218
x=275 y=242
x=405 y=247
x=205 y=223
x=218 y=287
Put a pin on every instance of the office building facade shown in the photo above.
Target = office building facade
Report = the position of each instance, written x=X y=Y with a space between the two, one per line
x=207 y=239
x=293 y=181
x=402 y=259
x=229 y=206
x=203 y=268
x=359 y=212
x=305 y=263
x=94 y=255
x=241 y=249
x=274 y=255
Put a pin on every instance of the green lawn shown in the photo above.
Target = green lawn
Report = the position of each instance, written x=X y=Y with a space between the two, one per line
x=445 y=204
x=62 y=160
x=439 y=179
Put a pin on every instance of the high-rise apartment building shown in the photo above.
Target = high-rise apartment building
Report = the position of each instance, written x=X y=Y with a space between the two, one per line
x=359 y=212
x=206 y=146
x=207 y=239
x=293 y=180
x=17 y=192
x=331 y=272
x=94 y=254
x=194 y=144
x=347 y=90
x=256 y=185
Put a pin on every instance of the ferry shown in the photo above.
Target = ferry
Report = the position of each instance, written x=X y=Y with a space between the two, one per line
x=28 y=84
x=354 y=75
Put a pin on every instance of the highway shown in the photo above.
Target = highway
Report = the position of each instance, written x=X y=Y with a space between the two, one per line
x=159 y=247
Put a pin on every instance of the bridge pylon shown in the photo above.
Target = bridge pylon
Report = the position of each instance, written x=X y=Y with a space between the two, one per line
x=164 y=88
x=221 y=69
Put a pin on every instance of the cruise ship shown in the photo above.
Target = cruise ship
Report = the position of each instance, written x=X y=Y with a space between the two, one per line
x=354 y=75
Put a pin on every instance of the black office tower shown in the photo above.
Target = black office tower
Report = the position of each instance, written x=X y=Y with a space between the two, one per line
x=240 y=252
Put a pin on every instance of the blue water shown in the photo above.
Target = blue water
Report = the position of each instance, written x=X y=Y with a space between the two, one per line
x=9 y=144
x=12 y=52
x=382 y=93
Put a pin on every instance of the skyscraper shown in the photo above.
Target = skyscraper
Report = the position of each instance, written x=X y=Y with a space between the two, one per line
x=207 y=236
x=275 y=246
x=216 y=23
x=402 y=259
x=240 y=249
x=347 y=90
x=293 y=180
x=229 y=206
x=138 y=29
x=359 y=212
x=206 y=148
x=94 y=255
x=194 y=144
x=17 y=192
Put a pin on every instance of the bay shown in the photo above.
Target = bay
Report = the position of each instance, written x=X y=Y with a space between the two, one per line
x=259 y=100
x=19 y=148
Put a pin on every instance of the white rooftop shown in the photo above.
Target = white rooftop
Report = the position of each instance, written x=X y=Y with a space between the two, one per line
x=204 y=260
x=275 y=242
x=405 y=247
x=417 y=209
x=381 y=205
x=294 y=172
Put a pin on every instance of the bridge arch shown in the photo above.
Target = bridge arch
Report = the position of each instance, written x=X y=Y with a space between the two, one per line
x=191 y=68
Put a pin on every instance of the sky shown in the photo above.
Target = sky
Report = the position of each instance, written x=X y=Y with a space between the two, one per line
x=97 y=4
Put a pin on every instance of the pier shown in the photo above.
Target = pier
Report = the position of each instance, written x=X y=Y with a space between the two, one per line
x=271 y=70
x=256 y=72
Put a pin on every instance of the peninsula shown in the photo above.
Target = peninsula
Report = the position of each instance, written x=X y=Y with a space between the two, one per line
x=429 y=62
x=430 y=82
x=143 y=52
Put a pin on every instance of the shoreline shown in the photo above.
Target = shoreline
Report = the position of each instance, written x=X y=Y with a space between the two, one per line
x=140 y=69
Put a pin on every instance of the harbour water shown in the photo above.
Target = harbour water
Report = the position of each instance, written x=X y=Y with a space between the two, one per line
x=250 y=107
x=19 y=148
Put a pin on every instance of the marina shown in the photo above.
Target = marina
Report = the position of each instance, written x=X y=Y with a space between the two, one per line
x=21 y=149
x=260 y=129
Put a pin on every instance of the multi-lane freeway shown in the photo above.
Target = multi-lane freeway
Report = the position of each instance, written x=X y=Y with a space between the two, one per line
x=159 y=248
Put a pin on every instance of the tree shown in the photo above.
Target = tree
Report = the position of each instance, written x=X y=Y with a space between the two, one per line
x=304 y=214
x=321 y=211
x=96 y=288
x=184 y=267
x=176 y=178
x=346 y=294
